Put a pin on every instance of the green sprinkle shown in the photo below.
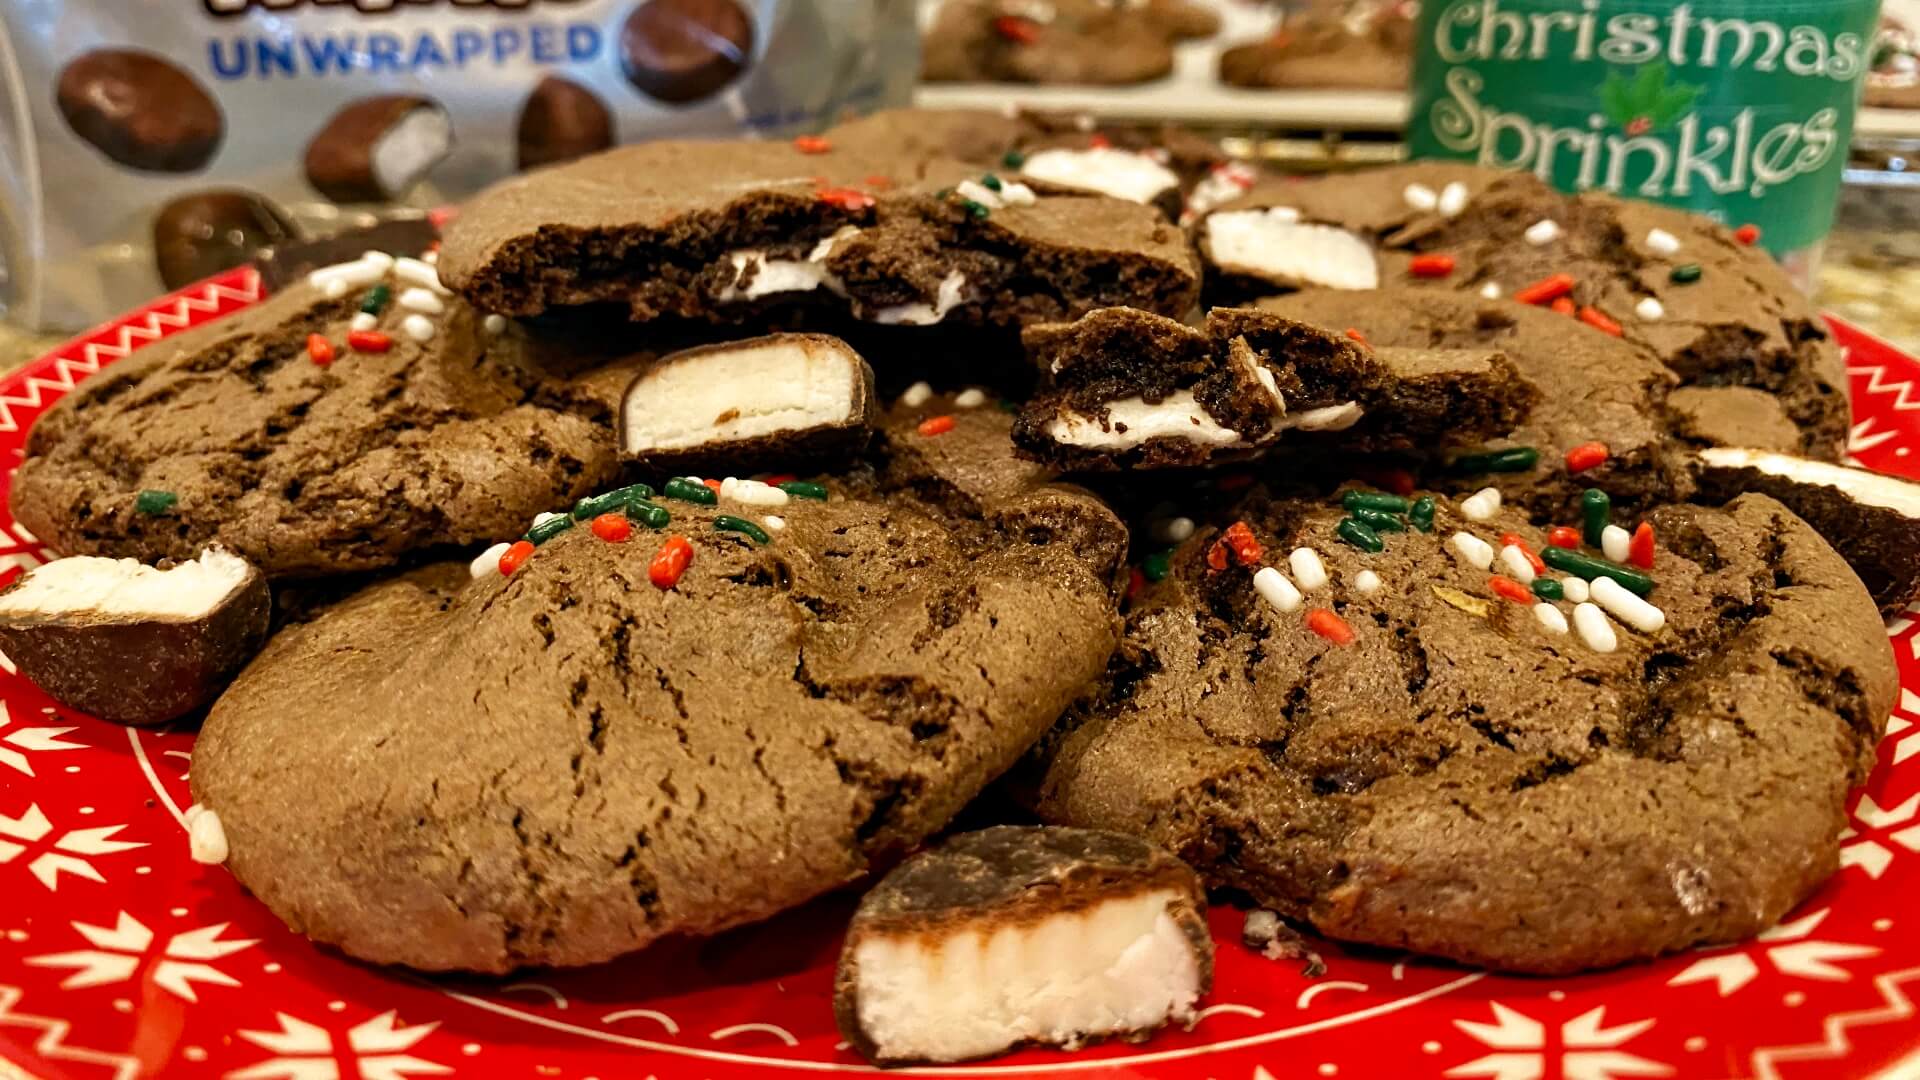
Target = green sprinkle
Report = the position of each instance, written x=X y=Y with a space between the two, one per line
x=689 y=491
x=943 y=193
x=1378 y=520
x=1357 y=534
x=652 y=515
x=729 y=523
x=1516 y=459
x=594 y=505
x=990 y=182
x=376 y=300
x=1157 y=565
x=804 y=489
x=1422 y=513
x=1686 y=273
x=1375 y=500
x=1008 y=405
x=549 y=528
x=977 y=211
x=1596 y=513
x=1548 y=589
x=1013 y=159
x=1586 y=566
x=154 y=502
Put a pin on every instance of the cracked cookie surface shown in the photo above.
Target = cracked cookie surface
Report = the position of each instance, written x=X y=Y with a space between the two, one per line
x=1460 y=780
x=564 y=764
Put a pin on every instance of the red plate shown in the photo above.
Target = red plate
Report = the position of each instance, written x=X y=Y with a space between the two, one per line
x=120 y=957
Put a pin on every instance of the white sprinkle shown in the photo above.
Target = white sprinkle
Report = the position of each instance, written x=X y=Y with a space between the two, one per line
x=378 y=258
x=1481 y=505
x=1477 y=552
x=752 y=492
x=1308 y=570
x=916 y=395
x=977 y=192
x=1172 y=530
x=431 y=258
x=334 y=289
x=364 y=320
x=1491 y=290
x=1084 y=122
x=1663 y=242
x=350 y=275
x=488 y=561
x=418 y=327
x=1017 y=194
x=1550 y=618
x=774 y=522
x=970 y=399
x=422 y=300
x=415 y=272
x=1622 y=604
x=1517 y=565
x=1277 y=591
x=494 y=324
x=1650 y=310
x=191 y=812
x=1615 y=543
x=1453 y=199
x=1575 y=588
x=1594 y=628
x=206 y=840
x=543 y=517
x=1421 y=197
x=1366 y=581
x=1543 y=232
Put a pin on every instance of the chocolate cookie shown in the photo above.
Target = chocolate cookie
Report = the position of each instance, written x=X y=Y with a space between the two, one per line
x=1369 y=47
x=1714 y=309
x=723 y=231
x=599 y=741
x=1406 y=743
x=1133 y=390
x=1045 y=41
x=311 y=437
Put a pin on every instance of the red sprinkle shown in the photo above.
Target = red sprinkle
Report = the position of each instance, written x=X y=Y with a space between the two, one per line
x=1359 y=337
x=319 y=349
x=1640 y=548
x=1586 y=456
x=1136 y=583
x=935 y=425
x=1564 y=536
x=811 y=144
x=1547 y=289
x=846 y=198
x=1562 y=306
x=1747 y=234
x=1432 y=266
x=777 y=479
x=1533 y=560
x=1234 y=481
x=879 y=181
x=714 y=484
x=1511 y=589
x=1217 y=555
x=613 y=528
x=1330 y=626
x=1244 y=545
x=369 y=341
x=1016 y=29
x=1398 y=481
x=1100 y=142
x=670 y=562
x=1598 y=319
x=442 y=216
x=511 y=558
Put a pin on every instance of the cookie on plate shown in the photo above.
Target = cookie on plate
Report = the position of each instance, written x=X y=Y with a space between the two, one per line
x=725 y=231
x=599 y=740
x=1427 y=726
x=1090 y=42
x=1715 y=309
x=1368 y=46
x=347 y=422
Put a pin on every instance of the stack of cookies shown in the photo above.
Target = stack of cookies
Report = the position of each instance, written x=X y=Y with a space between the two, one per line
x=1443 y=562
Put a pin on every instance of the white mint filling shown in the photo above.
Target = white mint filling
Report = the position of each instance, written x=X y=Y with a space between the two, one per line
x=1274 y=244
x=783 y=275
x=410 y=149
x=92 y=585
x=1119 y=173
x=953 y=292
x=1885 y=492
x=778 y=385
x=1124 y=965
x=1131 y=421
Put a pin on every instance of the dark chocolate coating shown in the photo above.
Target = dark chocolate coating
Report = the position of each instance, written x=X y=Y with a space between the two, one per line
x=197 y=236
x=146 y=671
x=339 y=161
x=679 y=51
x=140 y=110
x=560 y=121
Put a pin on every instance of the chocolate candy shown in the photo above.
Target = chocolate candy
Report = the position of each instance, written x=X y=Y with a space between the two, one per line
x=140 y=110
x=560 y=121
x=197 y=236
x=684 y=50
x=378 y=148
